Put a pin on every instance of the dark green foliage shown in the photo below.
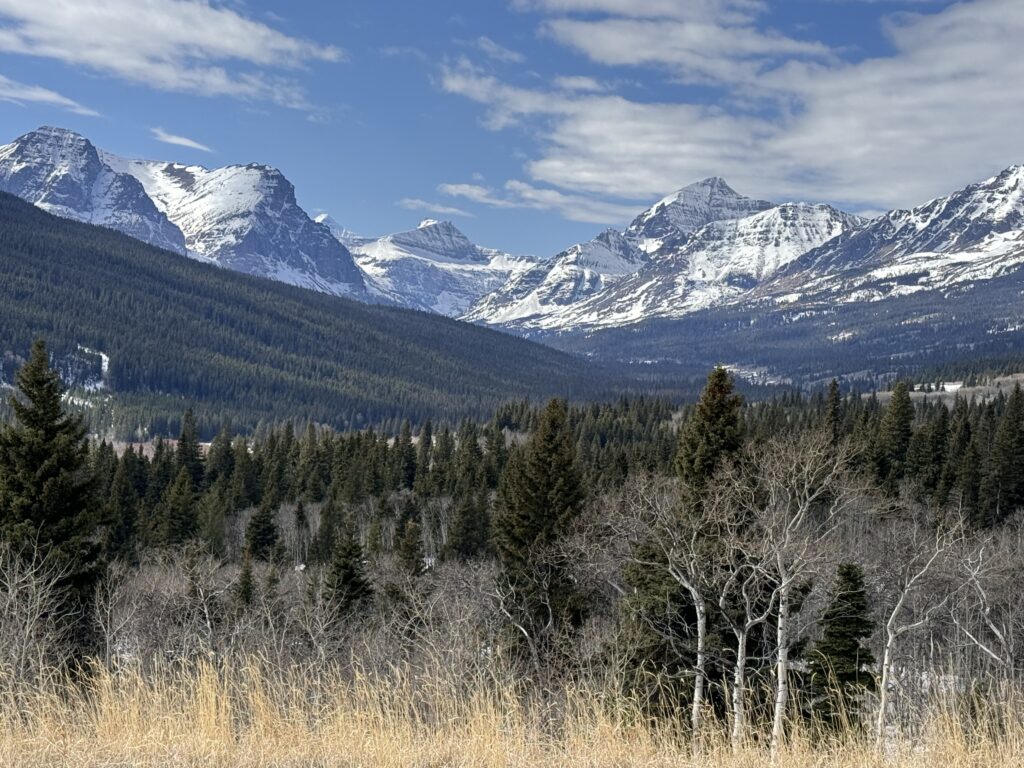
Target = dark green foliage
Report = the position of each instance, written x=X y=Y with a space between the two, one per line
x=840 y=662
x=121 y=511
x=188 y=455
x=410 y=549
x=46 y=484
x=177 y=515
x=541 y=494
x=247 y=349
x=1002 y=491
x=893 y=441
x=345 y=584
x=713 y=433
x=261 y=532
x=245 y=587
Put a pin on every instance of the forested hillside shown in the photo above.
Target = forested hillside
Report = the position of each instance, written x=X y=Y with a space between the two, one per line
x=244 y=349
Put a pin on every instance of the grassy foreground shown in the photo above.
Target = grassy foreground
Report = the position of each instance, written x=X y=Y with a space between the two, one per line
x=255 y=716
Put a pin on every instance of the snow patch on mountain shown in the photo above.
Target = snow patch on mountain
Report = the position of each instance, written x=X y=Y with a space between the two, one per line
x=434 y=268
x=64 y=174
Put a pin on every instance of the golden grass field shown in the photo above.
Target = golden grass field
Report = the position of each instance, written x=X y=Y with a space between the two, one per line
x=255 y=716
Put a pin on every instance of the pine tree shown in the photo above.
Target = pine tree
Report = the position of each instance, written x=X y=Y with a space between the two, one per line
x=345 y=584
x=301 y=523
x=403 y=460
x=541 y=494
x=214 y=507
x=840 y=661
x=894 y=433
x=834 y=412
x=189 y=455
x=177 y=516
x=1002 y=489
x=261 y=532
x=46 y=486
x=712 y=434
x=220 y=462
x=424 y=449
x=245 y=587
x=410 y=549
x=121 y=511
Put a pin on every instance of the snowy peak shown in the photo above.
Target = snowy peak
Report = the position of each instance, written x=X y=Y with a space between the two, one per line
x=438 y=240
x=342 y=234
x=674 y=217
x=434 y=267
x=246 y=218
x=63 y=173
x=531 y=298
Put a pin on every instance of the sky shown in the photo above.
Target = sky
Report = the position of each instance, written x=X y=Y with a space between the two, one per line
x=534 y=124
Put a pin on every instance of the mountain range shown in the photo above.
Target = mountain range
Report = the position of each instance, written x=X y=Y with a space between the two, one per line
x=700 y=253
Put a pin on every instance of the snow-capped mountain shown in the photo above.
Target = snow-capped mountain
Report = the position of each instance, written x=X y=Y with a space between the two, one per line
x=434 y=267
x=242 y=217
x=63 y=173
x=668 y=222
x=246 y=218
x=698 y=246
x=974 y=234
x=720 y=261
x=551 y=289
x=342 y=234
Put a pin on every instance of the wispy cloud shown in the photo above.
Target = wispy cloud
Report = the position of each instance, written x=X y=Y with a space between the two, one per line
x=519 y=194
x=20 y=93
x=415 y=204
x=188 y=46
x=181 y=141
x=498 y=52
x=793 y=120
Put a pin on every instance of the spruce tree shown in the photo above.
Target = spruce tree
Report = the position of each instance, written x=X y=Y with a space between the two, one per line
x=345 y=584
x=403 y=460
x=261 y=532
x=840 y=661
x=46 y=485
x=1002 y=489
x=712 y=434
x=410 y=549
x=189 y=455
x=121 y=511
x=894 y=433
x=834 y=412
x=177 y=516
x=213 y=510
x=245 y=587
x=541 y=494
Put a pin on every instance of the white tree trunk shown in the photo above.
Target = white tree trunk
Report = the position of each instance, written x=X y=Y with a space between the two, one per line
x=699 y=667
x=883 y=692
x=739 y=691
x=781 y=669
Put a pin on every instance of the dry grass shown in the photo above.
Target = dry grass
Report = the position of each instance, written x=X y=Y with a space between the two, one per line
x=253 y=715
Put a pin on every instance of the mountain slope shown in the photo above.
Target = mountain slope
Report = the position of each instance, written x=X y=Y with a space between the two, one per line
x=246 y=218
x=667 y=223
x=538 y=297
x=63 y=173
x=973 y=234
x=434 y=267
x=697 y=247
x=176 y=331
x=720 y=261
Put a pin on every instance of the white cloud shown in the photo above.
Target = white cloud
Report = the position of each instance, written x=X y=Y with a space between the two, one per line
x=519 y=194
x=19 y=93
x=181 y=141
x=415 y=204
x=498 y=52
x=175 y=45
x=943 y=109
x=578 y=83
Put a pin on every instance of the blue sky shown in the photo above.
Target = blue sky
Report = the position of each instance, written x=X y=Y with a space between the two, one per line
x=534 y=123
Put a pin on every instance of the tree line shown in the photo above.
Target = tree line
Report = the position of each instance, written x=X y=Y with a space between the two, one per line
x=743 y=562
